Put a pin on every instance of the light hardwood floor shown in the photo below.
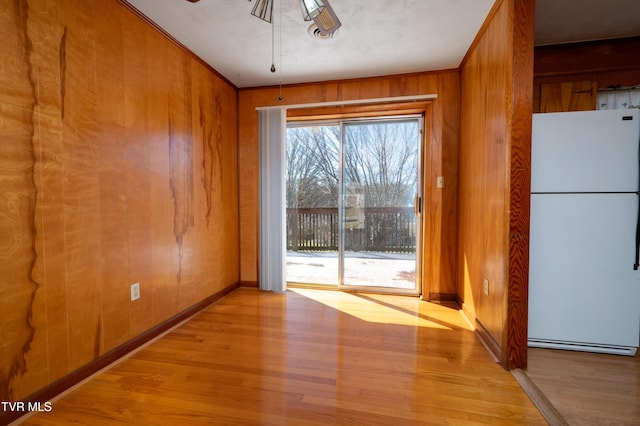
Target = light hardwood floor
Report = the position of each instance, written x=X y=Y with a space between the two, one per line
x=306 y=357
x=587 y=388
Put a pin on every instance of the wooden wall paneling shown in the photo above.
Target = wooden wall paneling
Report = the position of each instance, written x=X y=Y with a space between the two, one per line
x=90 y=103
x=215 y=118
x=439 y=275
x=181 y=160
x=81 y=183
x=475 y=146
x=494 y=179
x=595 y=65
x=203 y=244
x=226 y=194
x=248 y=160
x=568 y=96
x=215 y=179
x=590 y=80
x=163 y=288
x=138 y=176
x=35 y=356
x=483 y=153
x=587 y=57
x=208 y=120
x=211 y=189
x=515 y=334
x=615 y=79
x=366 y=88
x=111 y=140
x=449 y=89
x=205 y=236
x=470 y=195
x=18 y=233
x=50 y=36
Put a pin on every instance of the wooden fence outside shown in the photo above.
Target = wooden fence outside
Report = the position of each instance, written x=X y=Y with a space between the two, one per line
x=377 y=229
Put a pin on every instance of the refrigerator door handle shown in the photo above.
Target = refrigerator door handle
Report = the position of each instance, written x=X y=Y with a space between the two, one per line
x=637 y=264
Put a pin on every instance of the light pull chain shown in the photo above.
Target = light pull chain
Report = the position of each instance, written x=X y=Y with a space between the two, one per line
x=273 y=44
x=280 y=98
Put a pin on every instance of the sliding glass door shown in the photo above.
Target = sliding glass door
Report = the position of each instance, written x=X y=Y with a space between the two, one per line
x=352 y=217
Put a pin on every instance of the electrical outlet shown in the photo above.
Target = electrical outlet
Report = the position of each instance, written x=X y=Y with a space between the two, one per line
x=440 y=182
x=135 y=291
x=486 y=287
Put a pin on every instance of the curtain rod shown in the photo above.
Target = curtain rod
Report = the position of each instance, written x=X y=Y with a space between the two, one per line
x=414 y=98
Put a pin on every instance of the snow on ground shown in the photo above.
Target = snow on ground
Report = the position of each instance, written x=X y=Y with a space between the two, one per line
x=360 y=269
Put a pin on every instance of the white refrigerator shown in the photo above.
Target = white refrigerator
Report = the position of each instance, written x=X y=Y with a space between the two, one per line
x=584 y=282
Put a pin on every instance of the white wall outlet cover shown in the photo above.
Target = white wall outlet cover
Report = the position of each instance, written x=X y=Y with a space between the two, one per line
x=135 y=291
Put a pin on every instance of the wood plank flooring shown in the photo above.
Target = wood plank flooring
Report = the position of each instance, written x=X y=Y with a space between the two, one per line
x=305 y=357
x=588 y=388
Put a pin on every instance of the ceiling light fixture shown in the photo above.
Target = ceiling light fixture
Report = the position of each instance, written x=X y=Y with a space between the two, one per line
x=319 y=11
x=311 y=8
x=327 y=21
x=325 y=25
x=263 y=9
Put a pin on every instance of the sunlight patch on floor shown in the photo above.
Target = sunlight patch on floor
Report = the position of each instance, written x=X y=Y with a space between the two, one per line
x=390 y=309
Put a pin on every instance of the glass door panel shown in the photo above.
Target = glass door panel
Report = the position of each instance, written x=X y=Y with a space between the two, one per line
x=379 y=216
x=312 y=188
x=351 y=191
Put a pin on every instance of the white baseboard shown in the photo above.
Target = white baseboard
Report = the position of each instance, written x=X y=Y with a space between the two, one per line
x=583 y=347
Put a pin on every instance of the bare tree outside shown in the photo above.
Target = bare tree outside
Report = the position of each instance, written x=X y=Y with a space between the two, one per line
x=381 y=158
x=313 y=160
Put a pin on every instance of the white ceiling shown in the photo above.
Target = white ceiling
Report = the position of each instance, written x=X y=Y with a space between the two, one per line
x=378 y=37
x=567 y=21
